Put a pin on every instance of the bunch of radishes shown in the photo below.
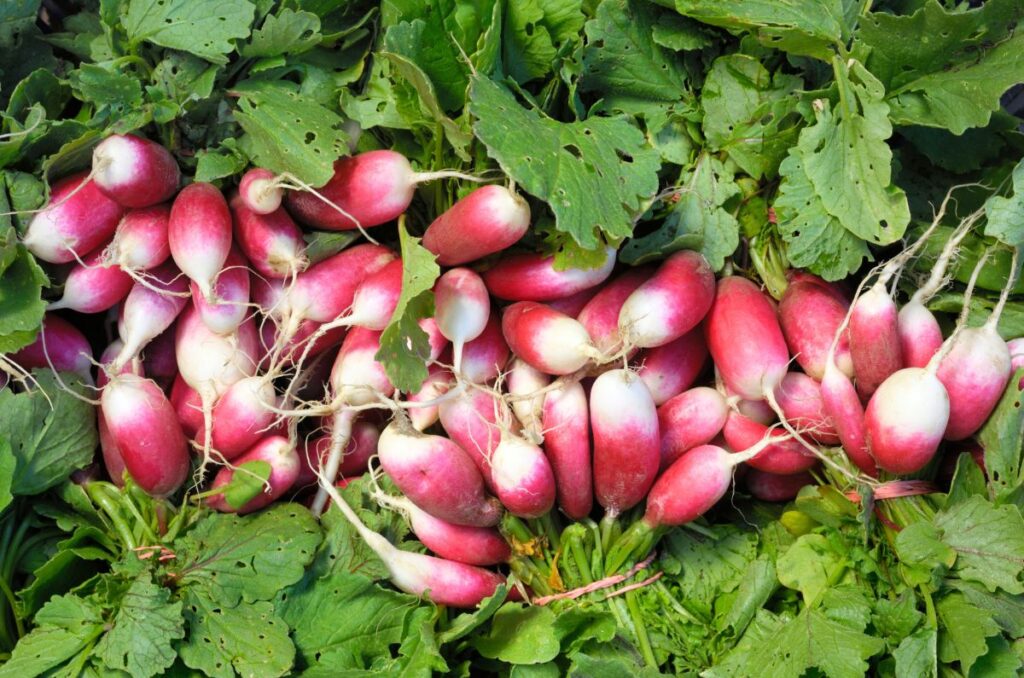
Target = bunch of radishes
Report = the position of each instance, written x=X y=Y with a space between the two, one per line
x=571 y=391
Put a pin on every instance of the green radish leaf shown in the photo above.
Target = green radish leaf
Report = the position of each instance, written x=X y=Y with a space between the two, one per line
x=22 y=45
x=7 y=464
x=288 y=32
x=1005 y=214
x=106 y=87
x=52 y=433
x=917 y=654
x=64 y=628
x=809 y=566
x=404 y=346
x=143 y=630
x=323 y=244
x=1002 y=438
x=534 y=33
x=248 y=639
x=223 y=161
x=247 y=482
x=205 y=29
x=596 y=175
x=988 y=540
x=520 y=635
x=963 y=630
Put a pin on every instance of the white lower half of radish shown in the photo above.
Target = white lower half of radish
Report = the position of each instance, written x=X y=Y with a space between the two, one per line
x=906 y=419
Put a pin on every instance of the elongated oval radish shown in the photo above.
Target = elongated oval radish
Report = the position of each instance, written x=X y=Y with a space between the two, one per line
x=277 y=451
x=690 y=419
x=783 y=455
x=258 y=191
x=144 y=427
x=874 y=339
x=462 y=309
x=140 y=242
x=72 y=226
x=357 y=378
x=376 y=297
x=242 y=416
x=460 y=543
x=533 y=277
x=229 y=305
x=60 y=346
x=436 y=475
x=362 y=445
x=326 y=289
x=484 y=357
x=437 y=383
x=271 y=241
x=774 y=487
x=545 y=339
x=199 y=234
x=600 y=316
x=810 y=313
x=188 y=406
x=670 y=369
x=801 y=401
x=149 y=311
x=573 y=304
x=113 y=462
x=373 y=188
x=906 y=419
x=691 y=486
x=522 y=477
x=133 y=171
x=524 y=380
x=209 y=362
x=93 y=286
x=670 y=303
x=567 y=445
x=841 y=403
x=627 y=444
x=975 y=372
x=919 y=332
x=488 y=220
x=471 y=421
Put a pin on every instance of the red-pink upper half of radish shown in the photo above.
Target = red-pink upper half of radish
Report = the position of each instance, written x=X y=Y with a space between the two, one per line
x=810 y=313
x=670 y=303
x=533 y=277
x=75 y=225
x=133 y=171
x=488 y=220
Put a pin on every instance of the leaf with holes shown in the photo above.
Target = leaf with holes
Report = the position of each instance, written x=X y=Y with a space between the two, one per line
x=597 y=175
x=143 y=630
x=288 y=32
x=247 y=639
x=1004 y=215
x=63 y=629
x=1002 y=438
x=534 y=32
x=233 y=558
x=988 y=540
x=289 y=132
x=205 y=29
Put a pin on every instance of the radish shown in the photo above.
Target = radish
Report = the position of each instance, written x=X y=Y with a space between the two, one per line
x=437 y=475
x=523 y=381
x=150 y=310
x=241 y=416
x=1016 y=349
x=800 y=398
x=627 y=444
x=133 y=171
x=600 y=317
x=471 y=421
x=545 y=339
x=462 y=309
x=779 y=454
x=77 y=220
x=259 y=192
x=199 y=234
x=573 y=304
x=361 y=446
x=756 y=410
x=670 y=303
x=874 y=339
x=670 y=369
x=690 y=419
x=445 y=581
x=93 y=286
x=906 y=419
x=145 y=429
x=188 y=406
x=460 y=543
x=107 y=358
x=810 y=313
x=533 y=277
x=488 y=220
x=565 y=418
x=483 y=357
x=140 y=242
x=375 y=299
x=58 y=346
x=229 y=305
x=437 y=341
x=272 y=241
x=522 y=477
x=745 y=340
x=113 y=462
x=773 y=487
x=437 y=383
x=366 y=190
x=277 y=451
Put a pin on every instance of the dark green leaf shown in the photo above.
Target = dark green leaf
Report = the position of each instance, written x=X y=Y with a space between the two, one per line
x=107 y=87
x=989 y=542
x=1005 y=214
x=205 y=29
x=248 y=639
x=534 y=33
x=247 y=482
x=146 y=624
x=64 y=627
x=968 y=481
x=963 y=630
x=288 y=32
x=520 y=635
x=7 y=464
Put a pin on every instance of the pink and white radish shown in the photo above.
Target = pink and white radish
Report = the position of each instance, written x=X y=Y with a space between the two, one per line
x=874 y=339
x=93 y=286
x=439 y=380
x=533 y=277
x=140 y=242
x=670 y=369
x=565 y=419
x=59 y=346
x=670 y=303
x=362 y=445
x=271 y=241
x=547 y=340
x=522 y=477
x=484 y=357
x=471 y=421
x=906 y=419
x=199 y=234
x=524 y=381
x=242 y=415
x=259 y=191
x=144 y=427
x=627 y=444
x=779 y=453
x=229 y=305
x=810 y=313
x=600 y=317
x=134 y=172
x=149 y=310
x=573 y=304
x=77 y=220
x=800 y=398
x=488 y=220
x=462 y=309
x=690 y=419
x=280 y=454
x=188 y=406
x=776 y=488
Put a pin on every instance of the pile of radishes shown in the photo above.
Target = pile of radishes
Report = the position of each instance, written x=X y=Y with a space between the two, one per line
x=547 y=388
